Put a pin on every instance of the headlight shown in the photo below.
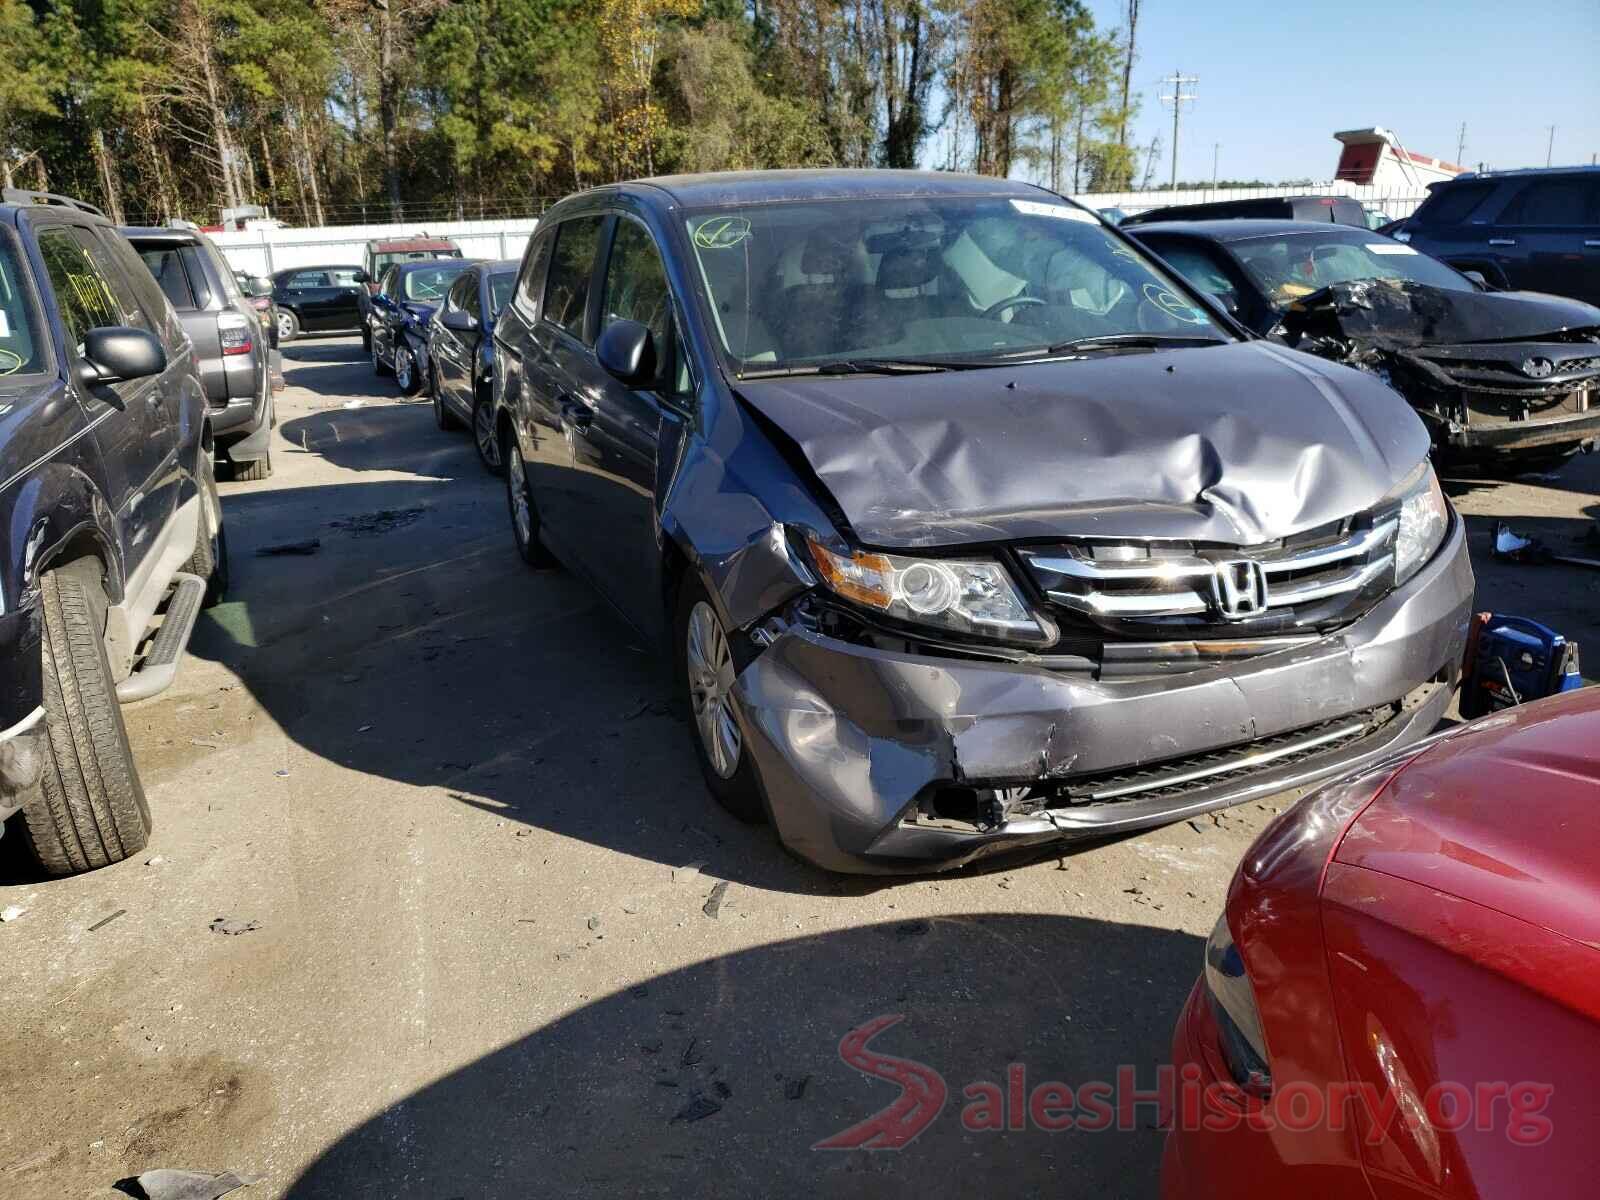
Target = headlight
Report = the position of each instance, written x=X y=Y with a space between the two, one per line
x=974 y=596
x=1233 y=1005
x=1424 y=517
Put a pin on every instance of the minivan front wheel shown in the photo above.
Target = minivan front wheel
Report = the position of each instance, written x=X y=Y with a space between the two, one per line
x=707 y=667
x=405 y=369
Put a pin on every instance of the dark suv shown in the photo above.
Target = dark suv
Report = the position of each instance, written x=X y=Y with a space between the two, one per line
x=230 y=342
x=1534 y=230
x=1341 y=210
x=109 y=520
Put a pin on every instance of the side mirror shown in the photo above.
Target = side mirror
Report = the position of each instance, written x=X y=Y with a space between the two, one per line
x=362 y=277
x=1229 y=302
x=459 y=320
x=260 y=285
x=115 y=353
x=627 y=351
x=1478 y=280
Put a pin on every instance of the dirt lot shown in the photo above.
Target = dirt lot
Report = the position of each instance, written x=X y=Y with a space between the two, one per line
x=446 y=806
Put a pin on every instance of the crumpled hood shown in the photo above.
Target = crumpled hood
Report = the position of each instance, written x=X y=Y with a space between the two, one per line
x=1236 y=444
x=1408 y=314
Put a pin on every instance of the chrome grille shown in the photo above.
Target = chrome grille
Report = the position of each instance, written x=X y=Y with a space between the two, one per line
x=1130 y=582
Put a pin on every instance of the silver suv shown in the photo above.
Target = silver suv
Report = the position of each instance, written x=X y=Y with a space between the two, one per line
x=229 y=340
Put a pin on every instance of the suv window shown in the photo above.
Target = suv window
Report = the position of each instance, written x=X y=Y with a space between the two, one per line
x=636 y=288
x=20 y=352
x=469 y=295
x=530 y=283
x=566 y=292
x=166 y=264
x=1553 y=202
x=1453 y=203
x=83 y=292
x=308 y=279
x=343 y=277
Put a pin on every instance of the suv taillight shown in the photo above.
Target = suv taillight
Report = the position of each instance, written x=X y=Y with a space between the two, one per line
x=234 y=329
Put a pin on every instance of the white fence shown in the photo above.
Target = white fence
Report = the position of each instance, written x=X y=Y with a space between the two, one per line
x=1396 y=203
x=263 y=251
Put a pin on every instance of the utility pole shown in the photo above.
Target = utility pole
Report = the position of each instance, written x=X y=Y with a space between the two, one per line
x=1461 y=144
x=1177 y=99
x=1550 y=146
x=1216 y=149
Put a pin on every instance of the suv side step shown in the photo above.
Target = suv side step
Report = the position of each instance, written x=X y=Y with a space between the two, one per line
x=159 y=667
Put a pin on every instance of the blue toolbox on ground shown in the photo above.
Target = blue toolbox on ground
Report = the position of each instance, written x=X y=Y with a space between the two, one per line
x=1511 y=660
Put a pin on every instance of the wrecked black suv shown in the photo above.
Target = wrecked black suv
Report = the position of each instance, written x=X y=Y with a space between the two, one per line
x=968 y=528
x=1508 y=381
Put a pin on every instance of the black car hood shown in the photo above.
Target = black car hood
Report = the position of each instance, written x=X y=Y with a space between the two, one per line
x=1406 y=315
x=1236 y=444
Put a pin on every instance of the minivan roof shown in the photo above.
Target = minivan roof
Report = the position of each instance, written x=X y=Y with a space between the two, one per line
x=762 y=187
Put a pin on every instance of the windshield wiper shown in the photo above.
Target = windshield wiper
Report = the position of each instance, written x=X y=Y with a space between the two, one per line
x=1135 y=341
x=855 y=366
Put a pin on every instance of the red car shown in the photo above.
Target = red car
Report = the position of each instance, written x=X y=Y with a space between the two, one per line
x=1402 y=998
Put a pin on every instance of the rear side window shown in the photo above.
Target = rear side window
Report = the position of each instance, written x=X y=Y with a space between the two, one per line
x=343 y=277
x=566 y=292
x=1452 y=204
x=166 y=264
x=1553 y=202
x=301 y=280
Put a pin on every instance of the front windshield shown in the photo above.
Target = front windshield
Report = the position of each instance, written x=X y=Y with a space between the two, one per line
x=926 y=278
x=427 y=285
x=501 y=286
x=1292 y=267
x=20 y=352
x=382 y=262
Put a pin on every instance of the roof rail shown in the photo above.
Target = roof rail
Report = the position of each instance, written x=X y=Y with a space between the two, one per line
x=24 y=196
x=180 y=223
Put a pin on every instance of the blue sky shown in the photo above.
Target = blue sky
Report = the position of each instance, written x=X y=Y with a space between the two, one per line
x=1277 y=80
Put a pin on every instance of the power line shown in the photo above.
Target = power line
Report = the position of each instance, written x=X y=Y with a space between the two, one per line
x=1177 y=99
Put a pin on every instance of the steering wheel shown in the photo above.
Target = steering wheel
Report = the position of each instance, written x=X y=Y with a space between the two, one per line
x=1000 y=306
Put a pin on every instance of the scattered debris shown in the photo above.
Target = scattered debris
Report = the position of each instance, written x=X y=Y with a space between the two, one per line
x=309 y=546
x=12 y=912
x=796 y=1088
x=633 y=905
x=639 y=991
x=385 y=520
x=723 y=1090
x=167 y=1184
x=104 y=921
x=281 y=774
x=358 y=402
x=208 y=744
x=688 y=871
x=666 y=1083
x=1511 y=546
x=691 y=1054
x=698 y=1108
x=713 y=904
x=1198 y=826
x=651 y=1047
x=594 y=921
x=155 y=860
x=232 y=926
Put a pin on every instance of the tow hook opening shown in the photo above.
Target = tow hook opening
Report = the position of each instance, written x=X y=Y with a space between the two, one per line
x=958 y=806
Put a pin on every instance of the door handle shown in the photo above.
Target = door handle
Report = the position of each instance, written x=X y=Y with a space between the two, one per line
x=1502 y=241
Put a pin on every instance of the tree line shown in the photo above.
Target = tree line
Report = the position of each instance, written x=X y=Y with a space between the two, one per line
x=338 y=111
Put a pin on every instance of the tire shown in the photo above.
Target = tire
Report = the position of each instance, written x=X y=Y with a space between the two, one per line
x=484 y=435
x=366 y=339
x=90 y=809
x=405 y=369
x=524 y=521
x=707 y=659
x=254 y=469
x=288 y=326
x=378 y=369
x=442 y=416
x=210 y=557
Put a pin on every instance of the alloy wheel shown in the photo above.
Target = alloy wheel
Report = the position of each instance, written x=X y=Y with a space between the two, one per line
x=517 y=488
x=711 y=675
x=402 y=368
x=285 y=326
x=483 y=429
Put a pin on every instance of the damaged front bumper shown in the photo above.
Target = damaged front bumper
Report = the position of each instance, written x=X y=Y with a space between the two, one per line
x=867 y=757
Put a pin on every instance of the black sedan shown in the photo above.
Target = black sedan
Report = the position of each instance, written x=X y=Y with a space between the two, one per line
x=323 y=299
x=461 y=353
x=399 y=313
x=1507 y=381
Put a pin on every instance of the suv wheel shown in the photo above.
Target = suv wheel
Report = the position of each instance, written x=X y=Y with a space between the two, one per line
x=483 y=432
x=378 y=368
x=254 y=469
x=210 y=557
x=90 y=808
x=707 y=665
x=288 y=326
x=405 y=369
x=442 y=416
x=524 y=517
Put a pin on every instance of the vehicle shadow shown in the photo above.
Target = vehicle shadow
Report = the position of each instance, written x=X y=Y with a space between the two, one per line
x=336 y=367
x=377 y=434
x=718 y=1079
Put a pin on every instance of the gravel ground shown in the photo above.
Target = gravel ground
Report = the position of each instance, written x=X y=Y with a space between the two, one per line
x=419 y=916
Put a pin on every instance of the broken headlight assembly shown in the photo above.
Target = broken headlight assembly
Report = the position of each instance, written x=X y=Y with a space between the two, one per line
x=1424 y=518
x=1233 y=1007
x=956 y=595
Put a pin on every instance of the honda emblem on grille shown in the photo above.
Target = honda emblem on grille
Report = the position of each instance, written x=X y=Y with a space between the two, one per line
x=1240 y=588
